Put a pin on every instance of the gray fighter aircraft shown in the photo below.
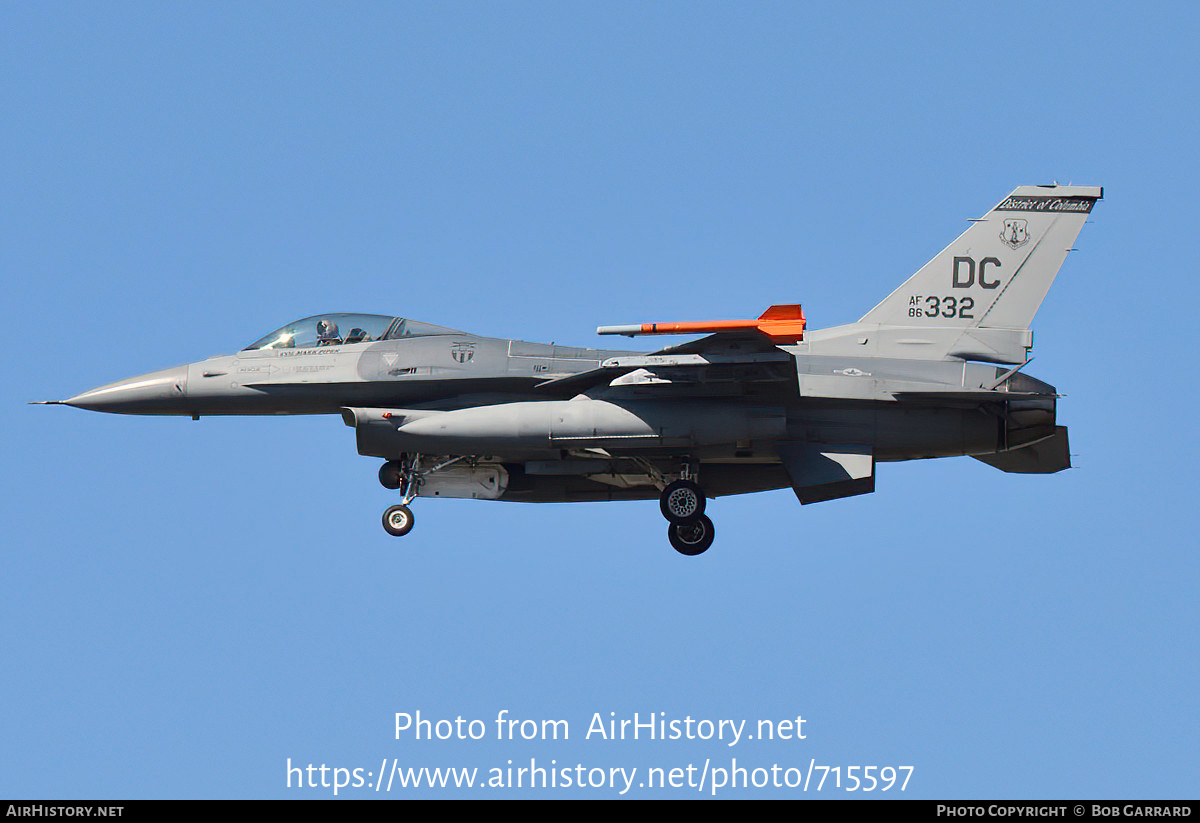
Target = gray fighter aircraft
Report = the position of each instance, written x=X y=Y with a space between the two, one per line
x=935 y=370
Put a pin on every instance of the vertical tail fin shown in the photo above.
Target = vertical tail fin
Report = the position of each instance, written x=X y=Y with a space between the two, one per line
x=996 y=274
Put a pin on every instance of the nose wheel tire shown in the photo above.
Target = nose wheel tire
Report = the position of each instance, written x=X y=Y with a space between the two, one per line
x=682 y=502
x=691 y=538
x=398 y=520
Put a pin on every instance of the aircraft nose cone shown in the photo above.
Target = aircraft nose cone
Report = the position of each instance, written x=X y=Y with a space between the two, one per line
x=160 y=392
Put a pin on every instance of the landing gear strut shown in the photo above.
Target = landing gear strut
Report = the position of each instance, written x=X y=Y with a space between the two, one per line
x=400 y=474
x=682 y=503
x=407 y=475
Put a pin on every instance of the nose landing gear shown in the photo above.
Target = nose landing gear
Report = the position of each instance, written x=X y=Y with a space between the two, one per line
x=400 y=474
x=407 y=475
x=398 y=520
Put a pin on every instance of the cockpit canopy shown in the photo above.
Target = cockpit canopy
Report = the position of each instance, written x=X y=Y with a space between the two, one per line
x=340 y=329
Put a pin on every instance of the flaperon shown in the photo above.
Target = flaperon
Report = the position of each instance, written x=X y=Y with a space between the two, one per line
x=935 y=370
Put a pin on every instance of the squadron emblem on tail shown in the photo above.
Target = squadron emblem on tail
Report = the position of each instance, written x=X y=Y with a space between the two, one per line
x=1015 y=234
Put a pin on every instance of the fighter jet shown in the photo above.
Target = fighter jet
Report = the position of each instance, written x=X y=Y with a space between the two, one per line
x=935 y=370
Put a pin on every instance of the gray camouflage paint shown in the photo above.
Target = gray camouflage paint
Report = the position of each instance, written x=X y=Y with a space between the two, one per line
x=934 y=370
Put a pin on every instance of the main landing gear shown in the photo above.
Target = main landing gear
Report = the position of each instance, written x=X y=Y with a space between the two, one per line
x=691 y=538
x=682 y=503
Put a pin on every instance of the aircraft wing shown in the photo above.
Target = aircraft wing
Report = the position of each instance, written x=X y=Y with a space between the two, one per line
x=728 y=343
x=736 y=350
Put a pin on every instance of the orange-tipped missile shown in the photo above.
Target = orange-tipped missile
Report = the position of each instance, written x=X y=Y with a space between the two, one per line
x=783 y=324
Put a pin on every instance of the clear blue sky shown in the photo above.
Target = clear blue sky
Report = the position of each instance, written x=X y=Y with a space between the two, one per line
x=188 y=605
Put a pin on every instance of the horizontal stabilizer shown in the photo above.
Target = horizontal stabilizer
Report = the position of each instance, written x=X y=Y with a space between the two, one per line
x=820 y=472
x=1043 y=457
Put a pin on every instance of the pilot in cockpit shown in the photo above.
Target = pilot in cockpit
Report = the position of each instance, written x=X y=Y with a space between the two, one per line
x=327 y=333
